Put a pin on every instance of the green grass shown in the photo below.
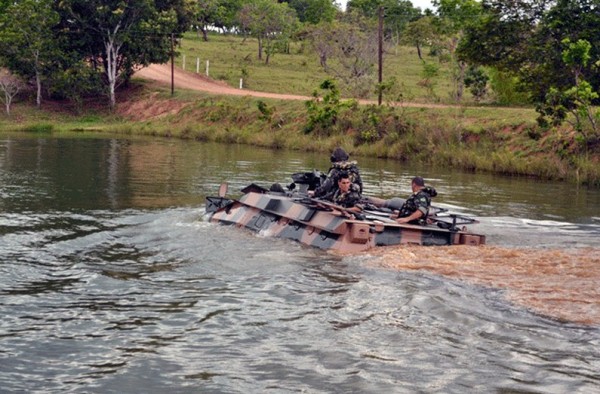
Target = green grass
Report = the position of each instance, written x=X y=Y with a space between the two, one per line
x=471 y=137
x=231 y=58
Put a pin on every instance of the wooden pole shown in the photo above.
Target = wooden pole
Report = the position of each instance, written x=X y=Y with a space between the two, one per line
x=172 y=64
x=380 y=54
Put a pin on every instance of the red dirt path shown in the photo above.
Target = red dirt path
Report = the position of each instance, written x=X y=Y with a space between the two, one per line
x=189 y=80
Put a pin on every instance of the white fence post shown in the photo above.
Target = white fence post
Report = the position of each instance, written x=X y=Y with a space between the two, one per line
x=241 y=83
x=197 y=65
x=207 y=65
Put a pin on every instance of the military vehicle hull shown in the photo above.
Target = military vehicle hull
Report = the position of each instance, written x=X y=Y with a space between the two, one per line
x=327 y=226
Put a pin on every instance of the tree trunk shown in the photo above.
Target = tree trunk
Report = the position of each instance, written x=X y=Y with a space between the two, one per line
x=7 y=102
x=112 y=54
x=419 y=51
x=204 y=34
x=260 y=48
x=38 y=84
x=460 y=82
x=38 y=79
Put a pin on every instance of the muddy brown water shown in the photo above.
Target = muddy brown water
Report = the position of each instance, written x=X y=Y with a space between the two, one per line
x=111 y=279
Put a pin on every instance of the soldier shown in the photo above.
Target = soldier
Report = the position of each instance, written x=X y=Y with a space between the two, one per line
x=339 y=163
x=345 y=196
x=416 y=207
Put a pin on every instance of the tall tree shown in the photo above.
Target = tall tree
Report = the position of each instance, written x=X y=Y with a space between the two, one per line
x=117 y=36
x=208 y=13
x=346 y=50
x=419 y=33
x=313 y=11
x=27 y=45
x=524 y=37
x=270 y=22
x=397 y=13
x=454 y=17
x=9 y=88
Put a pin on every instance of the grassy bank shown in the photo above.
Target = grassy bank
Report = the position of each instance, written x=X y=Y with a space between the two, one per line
x=499 y=140
x=473 y=138
x=232 y=58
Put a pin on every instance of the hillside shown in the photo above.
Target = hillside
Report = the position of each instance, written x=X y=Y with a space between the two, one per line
x=470 y=137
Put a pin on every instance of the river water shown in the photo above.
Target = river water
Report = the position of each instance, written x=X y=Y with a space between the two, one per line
x=112 y=280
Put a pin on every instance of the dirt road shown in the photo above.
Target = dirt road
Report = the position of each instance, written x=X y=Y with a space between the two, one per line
x=189 y=80
x=193 y=81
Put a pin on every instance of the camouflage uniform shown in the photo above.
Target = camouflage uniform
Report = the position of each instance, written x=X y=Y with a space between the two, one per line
x=329 y=186
x=346 y=200
x=421 y=201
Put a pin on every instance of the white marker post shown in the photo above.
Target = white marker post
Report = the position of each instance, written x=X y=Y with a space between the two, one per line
x=197 y=65
x=241 y=83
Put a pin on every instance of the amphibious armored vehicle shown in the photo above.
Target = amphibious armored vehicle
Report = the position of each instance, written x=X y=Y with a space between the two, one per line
x=292 y=214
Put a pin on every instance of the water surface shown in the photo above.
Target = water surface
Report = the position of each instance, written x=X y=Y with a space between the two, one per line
x=112 y=280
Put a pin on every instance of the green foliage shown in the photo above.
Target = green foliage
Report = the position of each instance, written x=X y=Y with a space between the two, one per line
x=504 y=86
x=313 y=11
x=323 y=113
x=397 y=14
x=39 y=128
x=266 y=112
x=75 y=83
x=429 y=73
x=208 y=13
x=28 y=47
x=391 y=91
x=57 y=40
x=476 y=80
x=577 y=99
x=378 y=123
x=525 y=38
x=552 y=109
x=270 y=22
x=577 y=55
x=419 y=33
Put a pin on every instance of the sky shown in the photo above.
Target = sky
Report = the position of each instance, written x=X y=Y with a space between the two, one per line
x=422 y=4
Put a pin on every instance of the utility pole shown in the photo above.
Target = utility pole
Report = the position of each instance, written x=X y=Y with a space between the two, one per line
x=380 y=54
x=172 y=64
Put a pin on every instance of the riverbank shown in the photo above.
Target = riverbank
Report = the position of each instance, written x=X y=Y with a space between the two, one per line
x=497 y=140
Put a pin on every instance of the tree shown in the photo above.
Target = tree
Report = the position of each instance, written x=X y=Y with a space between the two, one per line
x=420 y=32
x=577 y=99
x=397 y=16
x=322 y=37
x=207 y=13
x=455 y=16
x=10 y=86
x=524 y=38
x=314 y=11
x=270 y=22
x=476 y=80
x=27 y=45
x=350 y=46
x=397 y=13
x=323 y=111
x=117 y=36
x=500 y=36
x=228 y=19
